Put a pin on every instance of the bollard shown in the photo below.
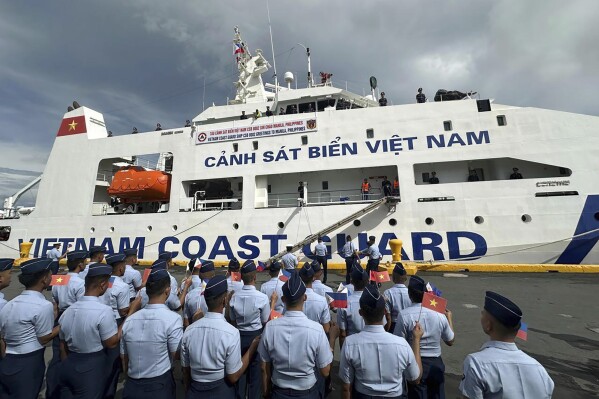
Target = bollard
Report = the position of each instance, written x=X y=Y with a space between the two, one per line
x=24 y=251
x=395 y=245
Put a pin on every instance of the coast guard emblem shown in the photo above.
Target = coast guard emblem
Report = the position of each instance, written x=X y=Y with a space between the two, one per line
x=311 y=123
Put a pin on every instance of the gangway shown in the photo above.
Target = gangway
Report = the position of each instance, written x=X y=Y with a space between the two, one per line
x=391 y=201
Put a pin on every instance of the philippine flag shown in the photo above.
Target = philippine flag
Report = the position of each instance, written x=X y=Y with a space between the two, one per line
x=238 y=49
x=339 y=299
x=111 y=281
x=523 y=331
x=284 y=275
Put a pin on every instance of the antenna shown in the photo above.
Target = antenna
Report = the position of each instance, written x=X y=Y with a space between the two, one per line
x=310 y=80
x=274 y=62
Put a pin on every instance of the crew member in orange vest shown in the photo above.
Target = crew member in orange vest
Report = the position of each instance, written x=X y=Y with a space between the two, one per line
x=396 y=187
x=365 y=190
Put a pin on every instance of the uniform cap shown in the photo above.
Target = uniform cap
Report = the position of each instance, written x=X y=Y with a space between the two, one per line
x=315 y=266
x=276 y=265
x=157 y=275
x=417 y=283
x=115 y=258
x=6 y=264
x=357 y=273
x=159 y=264
x=166 y=255
x=130 y=252
x=36 y=265
x=372 y=298
x=99 y=269
x=248 y=266
x=207 y=266
x=504 y=310
x=399 y=269
x=234 y=264
x=294 y=288
x=76 y=255
x=96 y=249
x=215 y=287
x=306 y=271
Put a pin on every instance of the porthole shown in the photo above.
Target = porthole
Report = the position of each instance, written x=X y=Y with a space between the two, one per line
x=526 y=218
x=429 y=221
x=111 y=229
x=479 y=220
x=235 y=226
x=357 y=223
x=281 y=225
x=392 y=222
x=92 y=230
x=149 y=228
x=174 y=227
x=596 y=215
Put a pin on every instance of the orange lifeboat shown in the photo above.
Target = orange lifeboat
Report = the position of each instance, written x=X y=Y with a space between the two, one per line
x=136 y=184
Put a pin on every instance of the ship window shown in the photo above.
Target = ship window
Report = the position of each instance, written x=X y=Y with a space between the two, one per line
x=4 y=233
x=235 y=147
x=304 y=140
x=369 y=133
x=255 y=145
x=526 y=218
x=392 y=222
x=281 y=225
x=211 y=194
x=325 y=185
x=307 y=108
x=447 y=126
x=501 y=121
x=479 y=219
x=429 y=221
x=269 y=189
x=493 y=169
x=235 y=226
x=323 y=104
x=291 y=109
x=357 y=222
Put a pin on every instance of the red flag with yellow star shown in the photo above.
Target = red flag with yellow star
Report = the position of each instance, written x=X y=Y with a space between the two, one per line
x=73 y=125
x=60 y=279
x=433 y=302
x=274 y=315
x=235 y=276
x=379 y=277
x=144 y=278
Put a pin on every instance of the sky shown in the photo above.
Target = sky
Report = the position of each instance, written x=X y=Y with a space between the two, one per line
x=141 y=62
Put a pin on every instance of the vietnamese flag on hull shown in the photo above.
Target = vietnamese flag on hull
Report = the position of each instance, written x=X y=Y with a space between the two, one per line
x=73 y=125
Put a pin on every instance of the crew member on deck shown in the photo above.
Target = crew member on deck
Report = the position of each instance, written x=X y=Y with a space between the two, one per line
x=500 y=369
x=5 y=268
x=396 y=187
x=243 y=115
x=25 y=327
x=420 y=97
x=158 y=127
x=281 y=111
x=301 y=194
x=387 y=187
x=134 y=130
x=473 y=176
x=516 y=174
x=188 y=123
x=365 y=189
x=257 y=114
x=433 y=179
x=382 y=100
x=268 y=112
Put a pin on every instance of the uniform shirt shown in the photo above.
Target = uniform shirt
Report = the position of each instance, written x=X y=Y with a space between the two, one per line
x=196 y=282
x=320 y=288
x=316 y=307
x=320 y=249
x=193 y=301
x=66 y=295
x=234 y=285
x=250 y=309
x=117 y=296
x=85 y=324
x=373 y=252
x=149 y=337
x=501 y=370
x=396 y=299
x=133 y=278
x=53 y=254
x=23 y=320
x=375 y=362
x=211 y=347
x=174 y=285
x=434 y=324
x=2 y=301
x=172 y=301
x=349 y=319
x=297 y=335
x=348 y=249
x=268 y=287
x=289 y=261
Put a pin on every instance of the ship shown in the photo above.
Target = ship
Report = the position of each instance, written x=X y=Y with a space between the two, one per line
x=472 y=181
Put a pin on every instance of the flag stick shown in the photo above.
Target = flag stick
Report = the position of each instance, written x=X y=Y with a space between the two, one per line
x=420 y=313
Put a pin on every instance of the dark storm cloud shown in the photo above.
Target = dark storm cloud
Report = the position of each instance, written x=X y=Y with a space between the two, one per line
x=142 y=62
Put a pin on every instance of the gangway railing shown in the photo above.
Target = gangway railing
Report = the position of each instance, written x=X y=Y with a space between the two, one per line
x=313 y=237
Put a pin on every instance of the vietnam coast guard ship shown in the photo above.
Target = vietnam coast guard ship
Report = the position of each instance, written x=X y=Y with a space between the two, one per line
x=226 y=186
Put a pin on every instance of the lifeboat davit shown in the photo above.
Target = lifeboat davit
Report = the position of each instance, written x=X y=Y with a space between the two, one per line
x=136 y=184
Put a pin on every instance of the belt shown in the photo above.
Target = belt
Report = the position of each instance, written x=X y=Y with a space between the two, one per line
x=289 y=391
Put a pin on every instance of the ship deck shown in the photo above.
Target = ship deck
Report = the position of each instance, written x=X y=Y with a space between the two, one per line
x=563 y=329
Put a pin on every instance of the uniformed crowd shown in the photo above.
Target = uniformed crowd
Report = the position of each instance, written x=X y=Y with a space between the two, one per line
x=235 y=341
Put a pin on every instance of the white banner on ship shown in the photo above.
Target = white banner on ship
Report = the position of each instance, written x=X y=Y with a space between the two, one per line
x=255 y=131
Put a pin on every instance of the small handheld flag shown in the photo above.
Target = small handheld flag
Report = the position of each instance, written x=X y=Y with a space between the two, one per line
x=523 y=332
x=111 y=281
x=274 y=315
x=430 y=287
x=284 y=275
x=379 y=277
x=261 y=266
x=433 y=302
x=238 y=49
x=339 y=299
x=146 y=275
x=60 y=279
x=235 y=276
